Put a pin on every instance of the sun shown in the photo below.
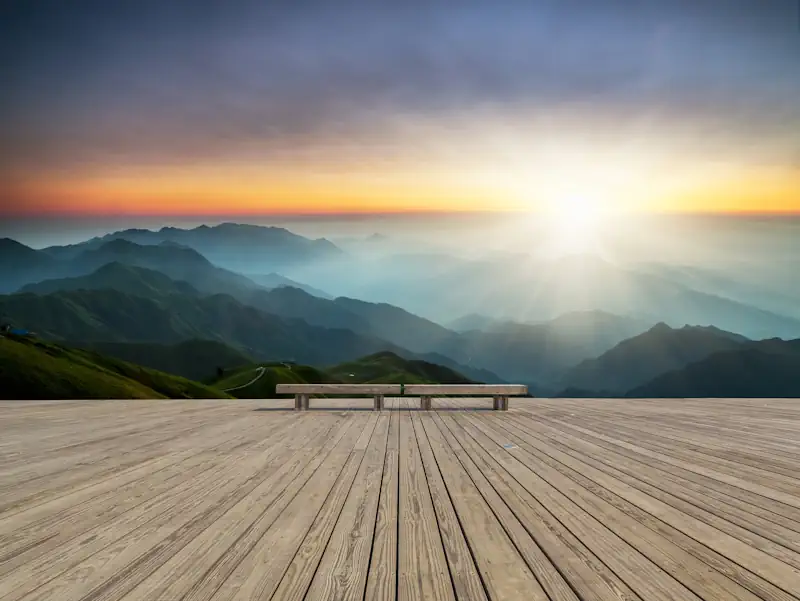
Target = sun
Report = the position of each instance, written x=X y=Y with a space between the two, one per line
x=575 y=212
x=575 y=221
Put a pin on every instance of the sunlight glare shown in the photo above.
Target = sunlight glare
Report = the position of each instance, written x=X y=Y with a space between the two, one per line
x=575 y=220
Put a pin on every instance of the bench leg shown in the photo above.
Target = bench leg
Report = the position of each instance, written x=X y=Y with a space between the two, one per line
x=298 y=402
x=424 y=402
x=306 y=398
x=378 y=405
x=500 y=403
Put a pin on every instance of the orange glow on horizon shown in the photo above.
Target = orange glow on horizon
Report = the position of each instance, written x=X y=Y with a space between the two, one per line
x=751 y=190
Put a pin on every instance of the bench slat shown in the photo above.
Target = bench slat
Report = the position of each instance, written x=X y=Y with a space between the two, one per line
x=466 y=389
x=386 y=389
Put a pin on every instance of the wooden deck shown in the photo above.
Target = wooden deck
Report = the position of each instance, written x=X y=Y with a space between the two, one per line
x=554 y=499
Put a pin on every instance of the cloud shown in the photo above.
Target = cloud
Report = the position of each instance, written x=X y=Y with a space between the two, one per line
x=97 y=83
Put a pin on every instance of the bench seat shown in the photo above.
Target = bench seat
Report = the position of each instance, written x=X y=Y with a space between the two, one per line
x=499 y=392
x=302 y=392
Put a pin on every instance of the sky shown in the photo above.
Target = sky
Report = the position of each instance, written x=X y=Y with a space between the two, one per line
x=241 y=107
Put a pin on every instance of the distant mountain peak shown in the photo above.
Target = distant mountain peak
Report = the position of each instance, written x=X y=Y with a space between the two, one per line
x=9 y=244
x=660 y=328
x=119 y=245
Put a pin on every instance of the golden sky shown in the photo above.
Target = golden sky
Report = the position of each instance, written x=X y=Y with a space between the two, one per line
x=146 y=107
x=632 y=184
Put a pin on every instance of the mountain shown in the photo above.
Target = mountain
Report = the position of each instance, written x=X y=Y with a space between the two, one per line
x=108 y=315
x=241 y=247
x=293 y=303
x=772 y=288
x=276 y=280
x=766 y=369
x=32 y=369
x=473 y=321
x=389 y=368
x=118 y=276
x=179 y=263
x=541 y=353
x=192 y=359
x=529 y=290
x=640 y=359
x=477 y=374
x=380 y=320
x=20 y=264
x=397 y=325
x=20 y=267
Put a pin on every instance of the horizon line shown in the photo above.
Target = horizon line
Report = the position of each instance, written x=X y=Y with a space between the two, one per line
x=369 y=214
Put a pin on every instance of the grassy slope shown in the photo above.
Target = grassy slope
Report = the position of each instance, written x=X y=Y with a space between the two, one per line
x=378 y=368
x=114 y=316
x=32 y=369
x=388 y=368
x=275 y=373
x=193 y=359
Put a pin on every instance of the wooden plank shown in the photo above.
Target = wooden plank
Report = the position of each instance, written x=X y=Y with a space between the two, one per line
x=28 y=514
x=786 y=481
x=503 y=572
x=759 y=488
x=467 y=580
x=368 y=389
x=712 y=531
x=674 y=560
x=664 y=481
x=180 y=521
x=591 y=499
x=423 y=569
x=556 y=587
x=725 y=568
x=586 y=574
x=261 y=571
x=382 y=573
x=199 y=570
x=342 y=571
x=643 y=576
x=66 y=476
x=775 y=511
x=466 y=389
x=199 y=567
x=298 y=575
x=87 y=561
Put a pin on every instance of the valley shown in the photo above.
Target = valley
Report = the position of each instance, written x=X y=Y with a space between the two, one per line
x=153 y=297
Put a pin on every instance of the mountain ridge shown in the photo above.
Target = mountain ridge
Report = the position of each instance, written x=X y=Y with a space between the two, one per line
x=762 y=369
x=636 y=360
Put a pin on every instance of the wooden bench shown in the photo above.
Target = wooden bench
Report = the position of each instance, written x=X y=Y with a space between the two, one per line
x=499 y=392
x=302 y=392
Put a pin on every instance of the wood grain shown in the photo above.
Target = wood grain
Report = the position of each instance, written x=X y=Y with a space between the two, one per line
x=386 y=389
x=554 y=499
x=467 y=389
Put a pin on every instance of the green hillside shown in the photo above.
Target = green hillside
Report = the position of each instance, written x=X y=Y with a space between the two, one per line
x=389 y=368
x=250 y=383
x=238 y=381
x=113 y=316
x=192 y=359
x=32 y=369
